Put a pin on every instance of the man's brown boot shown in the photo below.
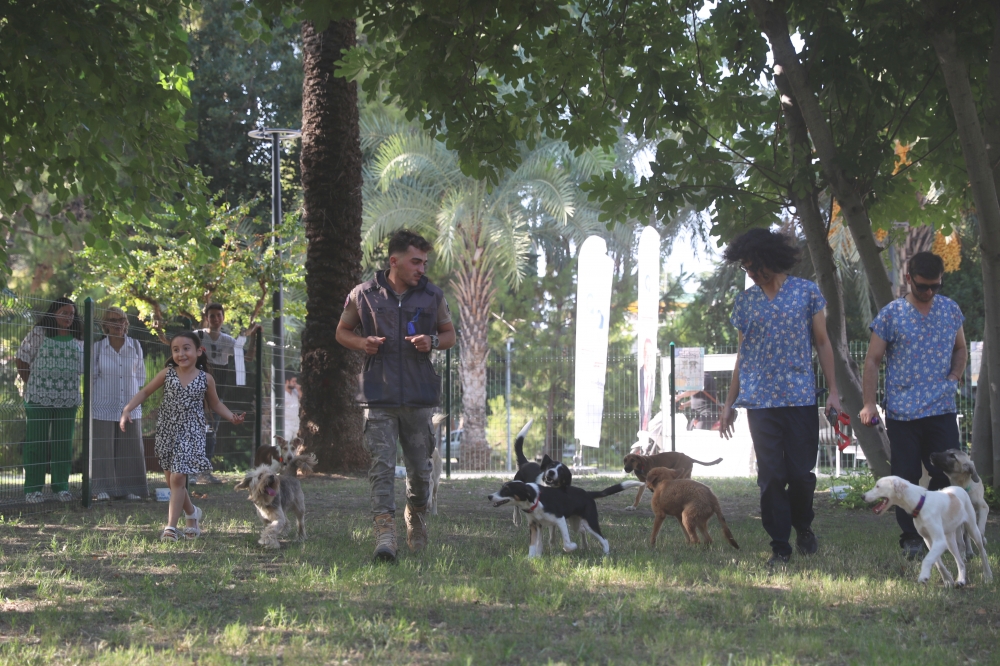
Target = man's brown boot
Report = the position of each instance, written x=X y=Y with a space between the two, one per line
x=416 y=527
x=385 y=538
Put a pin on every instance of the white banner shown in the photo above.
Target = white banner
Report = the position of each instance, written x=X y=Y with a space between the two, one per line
x=646 y=326
x=593 y=311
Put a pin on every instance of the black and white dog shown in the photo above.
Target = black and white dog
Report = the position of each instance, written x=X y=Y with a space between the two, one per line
x=548 y=472
x=561 y=508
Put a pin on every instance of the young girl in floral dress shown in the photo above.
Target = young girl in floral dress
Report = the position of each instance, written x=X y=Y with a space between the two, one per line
x=180 y=427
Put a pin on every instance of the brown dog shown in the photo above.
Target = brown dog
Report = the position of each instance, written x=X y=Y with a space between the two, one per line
x=641 y=465
x=690 y=502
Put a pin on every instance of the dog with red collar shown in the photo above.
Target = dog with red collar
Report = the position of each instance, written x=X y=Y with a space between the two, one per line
x=640 y=464
x=940 y=516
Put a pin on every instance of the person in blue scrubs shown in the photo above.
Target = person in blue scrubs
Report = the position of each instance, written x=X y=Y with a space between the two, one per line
x=780 y=319
x=923 y=341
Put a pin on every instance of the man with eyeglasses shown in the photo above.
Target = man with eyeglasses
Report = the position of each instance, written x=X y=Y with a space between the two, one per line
x=922 y=338
x=401 y=317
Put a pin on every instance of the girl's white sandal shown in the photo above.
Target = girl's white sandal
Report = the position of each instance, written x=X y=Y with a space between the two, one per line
x=169 y=534
x=193 y=532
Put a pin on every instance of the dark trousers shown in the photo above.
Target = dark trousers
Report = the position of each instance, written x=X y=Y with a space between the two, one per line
x=912 y=443
x=786 y=441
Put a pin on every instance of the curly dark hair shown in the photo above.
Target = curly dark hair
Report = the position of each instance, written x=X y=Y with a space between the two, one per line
x=763 y=248
x=404 y=238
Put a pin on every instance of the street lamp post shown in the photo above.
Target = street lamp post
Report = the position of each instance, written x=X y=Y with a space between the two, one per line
x=276 y=136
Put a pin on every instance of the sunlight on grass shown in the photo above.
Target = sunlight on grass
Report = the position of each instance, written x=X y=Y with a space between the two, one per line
x=100 y=587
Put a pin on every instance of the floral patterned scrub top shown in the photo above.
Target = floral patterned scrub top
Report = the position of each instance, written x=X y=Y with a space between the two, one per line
x=918 y=357
x=776 y=367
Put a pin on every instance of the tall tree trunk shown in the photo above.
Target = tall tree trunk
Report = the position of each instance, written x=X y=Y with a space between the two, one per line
x=331 y=192
x=774 y=23
x=984 y=194
x=984 y=453
x=874 y=441
x=474 y=293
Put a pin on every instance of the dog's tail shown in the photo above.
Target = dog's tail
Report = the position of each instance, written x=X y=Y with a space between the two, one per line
x=722 y=519
x=303 y=461
x=614 y=490
x=519 y=443
x=714 y=462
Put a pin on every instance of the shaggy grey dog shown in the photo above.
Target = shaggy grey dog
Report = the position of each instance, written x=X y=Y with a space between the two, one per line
x=276 y=495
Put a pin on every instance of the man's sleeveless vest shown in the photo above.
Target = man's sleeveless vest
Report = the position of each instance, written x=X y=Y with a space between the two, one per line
x=398 y=375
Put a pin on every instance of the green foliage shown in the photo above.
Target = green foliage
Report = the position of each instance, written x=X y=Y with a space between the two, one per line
x=857 y=485
x=992 y=496
x=162 y=280
x=92 y=102
x=239 y=86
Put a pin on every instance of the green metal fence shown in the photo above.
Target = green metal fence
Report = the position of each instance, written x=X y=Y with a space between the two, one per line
x=82 y=451
x=51 y=457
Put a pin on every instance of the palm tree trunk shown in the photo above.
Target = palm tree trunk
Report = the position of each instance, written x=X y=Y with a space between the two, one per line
x=331 y=190
x=474 y=293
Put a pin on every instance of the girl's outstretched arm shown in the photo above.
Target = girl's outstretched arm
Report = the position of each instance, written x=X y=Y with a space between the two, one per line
x=146 y=391
x=213 y=401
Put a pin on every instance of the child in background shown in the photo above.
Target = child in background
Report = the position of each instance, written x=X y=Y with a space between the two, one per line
x=180 y=427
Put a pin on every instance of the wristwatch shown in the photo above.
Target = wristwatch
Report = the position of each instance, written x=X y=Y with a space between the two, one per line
x=434 y=341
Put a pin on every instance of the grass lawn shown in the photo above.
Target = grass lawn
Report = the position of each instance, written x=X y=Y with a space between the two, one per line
x=98 y=586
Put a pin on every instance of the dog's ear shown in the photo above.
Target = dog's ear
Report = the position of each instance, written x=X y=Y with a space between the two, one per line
x=244 y=484
x=969 y=467
x=547 y=461
x=282 y=442
x=899 y=485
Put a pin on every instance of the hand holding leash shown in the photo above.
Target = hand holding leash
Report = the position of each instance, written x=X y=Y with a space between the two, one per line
x=869 y=415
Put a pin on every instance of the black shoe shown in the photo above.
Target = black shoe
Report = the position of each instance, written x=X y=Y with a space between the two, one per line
x=778 y=560
x=914 y=549
x=806 y=542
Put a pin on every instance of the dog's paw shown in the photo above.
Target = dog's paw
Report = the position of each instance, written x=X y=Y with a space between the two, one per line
x=959 y=583
x=569 y=547
x=923 y=579
x=630 y=508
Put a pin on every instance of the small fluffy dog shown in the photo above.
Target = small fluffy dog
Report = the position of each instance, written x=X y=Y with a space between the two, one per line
x=280 y=456
x=690 y=502
x=938 y=516
x=277 y=494
x=961 y=471
x=640 y=464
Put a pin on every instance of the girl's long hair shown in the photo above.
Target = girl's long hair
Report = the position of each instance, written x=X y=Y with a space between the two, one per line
x=202 y=362
x=48 y=321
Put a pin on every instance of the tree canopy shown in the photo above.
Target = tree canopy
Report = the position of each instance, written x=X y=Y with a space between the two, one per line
x=92 y=103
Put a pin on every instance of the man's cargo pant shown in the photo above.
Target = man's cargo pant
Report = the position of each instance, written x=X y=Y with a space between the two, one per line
x=412 y=427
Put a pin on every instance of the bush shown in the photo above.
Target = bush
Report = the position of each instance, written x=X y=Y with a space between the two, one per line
x=858 y=484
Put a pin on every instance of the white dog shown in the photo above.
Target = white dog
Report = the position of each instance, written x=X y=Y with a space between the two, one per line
x=938 y=516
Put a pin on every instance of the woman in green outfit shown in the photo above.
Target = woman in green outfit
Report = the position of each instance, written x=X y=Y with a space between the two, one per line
x=50 y=362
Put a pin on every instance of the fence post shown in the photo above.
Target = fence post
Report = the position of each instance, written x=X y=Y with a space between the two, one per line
x=447 y=409
x=258 y=424
x=673 y=402
x=88 y=377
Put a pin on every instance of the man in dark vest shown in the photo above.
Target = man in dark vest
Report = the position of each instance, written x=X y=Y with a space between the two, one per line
x=397 y=318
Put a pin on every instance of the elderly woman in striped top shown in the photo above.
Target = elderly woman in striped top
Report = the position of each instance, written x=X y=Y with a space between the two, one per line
x=119 y=465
